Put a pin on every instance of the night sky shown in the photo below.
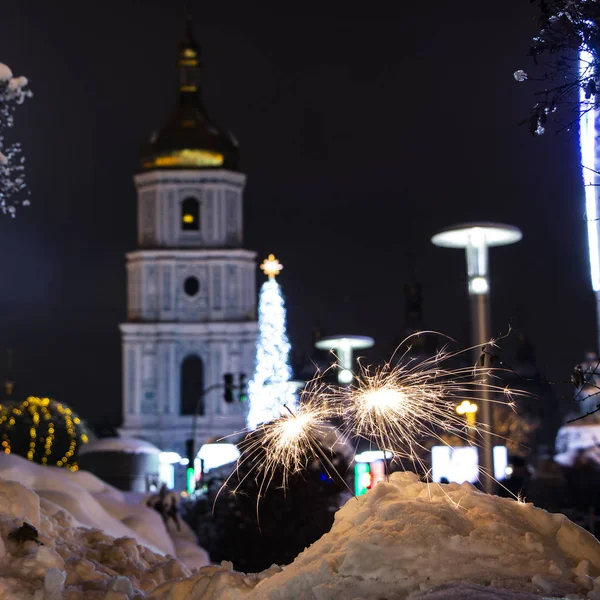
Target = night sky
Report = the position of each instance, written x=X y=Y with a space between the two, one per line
x=361 y=133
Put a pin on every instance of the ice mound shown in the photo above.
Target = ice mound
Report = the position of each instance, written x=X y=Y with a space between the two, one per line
x=405 y=538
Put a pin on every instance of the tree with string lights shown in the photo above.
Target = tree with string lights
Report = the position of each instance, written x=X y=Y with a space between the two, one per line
x=269 y=390
x=43 y=431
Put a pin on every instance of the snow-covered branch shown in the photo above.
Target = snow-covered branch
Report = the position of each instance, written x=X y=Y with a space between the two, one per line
x=13 y=192
x=566 y=55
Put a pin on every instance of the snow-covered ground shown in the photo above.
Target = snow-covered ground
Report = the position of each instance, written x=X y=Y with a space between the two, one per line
x=78 y=517
x=118 y=444
x=403 y=540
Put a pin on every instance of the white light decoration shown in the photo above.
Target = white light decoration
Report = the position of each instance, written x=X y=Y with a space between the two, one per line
x=166 y=473
x=456 y=464
x=345 y=376
x=478 y=285
x=587 y=137
x=460 y=463
x=269 y=389
x=501 y=463
x=169 y=458
x=369 y=456
x=217 y=455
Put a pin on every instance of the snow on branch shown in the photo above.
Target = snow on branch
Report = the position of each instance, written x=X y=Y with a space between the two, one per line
x=13 y=190
x=566 y=54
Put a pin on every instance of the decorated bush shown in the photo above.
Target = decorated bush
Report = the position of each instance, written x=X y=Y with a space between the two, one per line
x=41 y=430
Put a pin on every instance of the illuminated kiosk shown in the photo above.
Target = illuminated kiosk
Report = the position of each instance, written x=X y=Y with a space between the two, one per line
x=128 y=464
x=476 y=238
x=344 y=346
x=369 y=469
x=217 y=454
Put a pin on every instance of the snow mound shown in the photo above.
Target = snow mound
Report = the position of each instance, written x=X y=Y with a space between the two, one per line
x=118 y=444
x=90 y=502
x=68 y=561
x=406 y=539
x=99 y=510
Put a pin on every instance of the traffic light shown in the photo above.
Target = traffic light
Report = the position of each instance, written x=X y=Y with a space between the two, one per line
x=243 y=388
x=229 y=387
x=189 y=451
x=190 y=474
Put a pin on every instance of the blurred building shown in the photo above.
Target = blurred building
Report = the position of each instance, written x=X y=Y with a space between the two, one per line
x=414 y=348
x=531 y=427
x=191 y=298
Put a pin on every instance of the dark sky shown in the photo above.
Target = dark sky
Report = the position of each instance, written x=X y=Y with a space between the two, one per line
x=362 y=133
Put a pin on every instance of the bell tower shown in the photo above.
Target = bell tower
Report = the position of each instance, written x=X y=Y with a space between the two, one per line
x=191 y=298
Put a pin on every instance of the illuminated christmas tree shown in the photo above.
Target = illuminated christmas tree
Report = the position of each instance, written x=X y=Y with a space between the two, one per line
x=41 y=430
x=269 y=389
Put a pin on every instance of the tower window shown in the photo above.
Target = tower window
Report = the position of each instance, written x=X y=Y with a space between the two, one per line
x=191 y=285
x=190 y=215
x=192 y=386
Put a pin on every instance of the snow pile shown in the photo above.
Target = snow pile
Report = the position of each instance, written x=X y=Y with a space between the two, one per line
x=12 y=182
x=67 y=561
x=93 y=503
x=119 y=444
x=14 y=90
x=405 y=538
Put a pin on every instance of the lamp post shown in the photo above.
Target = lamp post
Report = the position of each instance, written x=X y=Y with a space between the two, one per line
x=344 y=346
x=229 y=387
x=468 y=409
x=476 y=238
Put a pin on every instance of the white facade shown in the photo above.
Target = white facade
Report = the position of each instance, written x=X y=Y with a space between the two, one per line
x=190 y=295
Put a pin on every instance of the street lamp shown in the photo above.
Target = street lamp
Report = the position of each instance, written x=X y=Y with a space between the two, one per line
x=476 y=238
x=343 y=346
x=468 y=409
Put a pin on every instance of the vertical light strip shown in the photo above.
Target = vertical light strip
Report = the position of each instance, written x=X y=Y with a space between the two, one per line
x=587 y=138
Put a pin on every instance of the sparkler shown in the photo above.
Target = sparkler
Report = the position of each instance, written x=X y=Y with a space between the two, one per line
x=289 y=443
x=396 y=408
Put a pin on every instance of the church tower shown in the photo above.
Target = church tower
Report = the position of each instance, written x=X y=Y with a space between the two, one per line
x=191 y=298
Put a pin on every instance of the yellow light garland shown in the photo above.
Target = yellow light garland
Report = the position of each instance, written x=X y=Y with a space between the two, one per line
x=53 y=416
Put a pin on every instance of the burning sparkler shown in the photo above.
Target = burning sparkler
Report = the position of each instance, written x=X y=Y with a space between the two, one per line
x=395 y=407
x=288 y=444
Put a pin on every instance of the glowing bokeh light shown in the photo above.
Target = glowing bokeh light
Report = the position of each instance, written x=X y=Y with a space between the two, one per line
x=587 y=137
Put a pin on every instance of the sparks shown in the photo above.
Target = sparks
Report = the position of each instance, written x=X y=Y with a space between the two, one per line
x=398 y=407
x=287 y=444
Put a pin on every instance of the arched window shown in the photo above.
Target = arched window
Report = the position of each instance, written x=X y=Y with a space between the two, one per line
x=192 y=385
x=190 y=215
